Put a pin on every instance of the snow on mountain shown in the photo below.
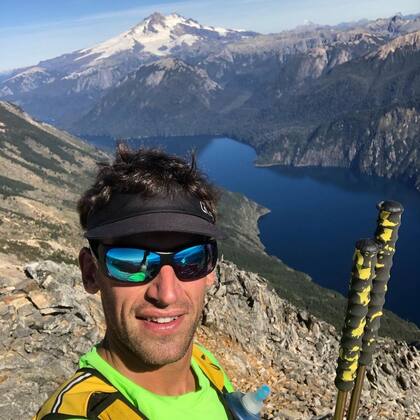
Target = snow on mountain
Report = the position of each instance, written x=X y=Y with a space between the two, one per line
x=102 y=66
x=157 y=35
x=65 y=87
x=27 y=79
x=28 y=71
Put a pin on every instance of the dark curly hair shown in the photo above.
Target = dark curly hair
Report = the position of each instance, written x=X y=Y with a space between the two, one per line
x=150 y=172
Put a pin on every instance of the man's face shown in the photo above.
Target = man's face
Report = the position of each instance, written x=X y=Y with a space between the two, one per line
x=137 y=315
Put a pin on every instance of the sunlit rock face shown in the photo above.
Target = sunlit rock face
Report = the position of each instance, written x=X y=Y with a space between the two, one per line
x=48 y=321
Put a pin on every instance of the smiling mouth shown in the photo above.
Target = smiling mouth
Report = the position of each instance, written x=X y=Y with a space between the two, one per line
x=162 y=324
x=162 y=320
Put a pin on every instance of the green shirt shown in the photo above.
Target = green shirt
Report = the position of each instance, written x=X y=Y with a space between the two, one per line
x=202 y=404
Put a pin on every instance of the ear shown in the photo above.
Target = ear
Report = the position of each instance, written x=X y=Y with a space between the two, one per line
x=89 y=271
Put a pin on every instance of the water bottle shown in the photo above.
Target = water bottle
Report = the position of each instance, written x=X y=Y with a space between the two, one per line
x=247 y=406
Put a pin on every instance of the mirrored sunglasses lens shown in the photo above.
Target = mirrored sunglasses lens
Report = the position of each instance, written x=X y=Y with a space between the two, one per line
x=192 y=262
x=132 y=265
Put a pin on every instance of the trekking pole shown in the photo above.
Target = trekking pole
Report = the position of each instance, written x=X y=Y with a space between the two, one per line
x=363 y=270
x=389 y=221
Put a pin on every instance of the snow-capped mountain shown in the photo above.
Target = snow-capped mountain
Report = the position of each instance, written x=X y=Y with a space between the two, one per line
x=83 y=76
x=64 y=89
x=154 y=37
x=160 y=35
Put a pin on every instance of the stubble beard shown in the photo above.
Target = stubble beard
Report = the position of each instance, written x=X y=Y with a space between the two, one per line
x=159 y=351
x=149 y=350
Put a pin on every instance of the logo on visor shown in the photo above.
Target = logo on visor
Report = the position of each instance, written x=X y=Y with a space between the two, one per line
x=205 y=209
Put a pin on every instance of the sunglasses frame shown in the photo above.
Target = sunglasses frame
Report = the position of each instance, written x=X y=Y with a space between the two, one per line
x=99 y=250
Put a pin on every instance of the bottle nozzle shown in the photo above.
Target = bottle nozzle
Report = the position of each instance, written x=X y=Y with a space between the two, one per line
x=262 y=393
x=253 y=401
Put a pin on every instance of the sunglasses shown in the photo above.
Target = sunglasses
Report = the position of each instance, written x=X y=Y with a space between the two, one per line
x=136 y=265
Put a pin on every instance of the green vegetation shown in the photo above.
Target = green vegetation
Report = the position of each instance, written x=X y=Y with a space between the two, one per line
x=21 y=133
x=26 y=252
x=10 y=187
x=52 y=157
x=293 y=118
x=24 y=131
x=22 y=250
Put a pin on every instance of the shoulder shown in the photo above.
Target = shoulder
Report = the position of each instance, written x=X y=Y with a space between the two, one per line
x=53 y=407
x=211 y=367
x=85 y=395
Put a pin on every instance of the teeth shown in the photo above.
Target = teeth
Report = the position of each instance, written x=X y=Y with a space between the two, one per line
x=162 y=320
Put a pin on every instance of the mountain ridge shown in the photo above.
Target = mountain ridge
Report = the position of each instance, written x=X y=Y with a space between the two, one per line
x=293 y=119
x=83 y=76
x=42 y=172
x=286 y=94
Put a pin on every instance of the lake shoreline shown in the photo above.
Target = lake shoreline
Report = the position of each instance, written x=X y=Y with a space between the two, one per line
x=407 y=183
x=298 y=190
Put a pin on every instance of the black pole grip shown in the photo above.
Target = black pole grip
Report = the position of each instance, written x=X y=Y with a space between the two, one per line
x=389 y=221
x=363 y=270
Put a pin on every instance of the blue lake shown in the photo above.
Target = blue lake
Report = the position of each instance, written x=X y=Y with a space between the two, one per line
x=316 y=215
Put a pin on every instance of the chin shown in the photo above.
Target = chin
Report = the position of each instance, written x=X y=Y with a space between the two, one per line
x=159 y=354
x=154 y=350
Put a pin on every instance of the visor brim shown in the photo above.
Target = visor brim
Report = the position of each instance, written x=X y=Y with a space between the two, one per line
x=155 y=222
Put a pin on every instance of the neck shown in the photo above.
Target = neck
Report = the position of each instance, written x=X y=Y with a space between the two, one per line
x=173 y=379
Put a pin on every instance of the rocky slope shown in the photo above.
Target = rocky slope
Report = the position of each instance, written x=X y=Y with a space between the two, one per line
x=42 y=172
x=47 y=321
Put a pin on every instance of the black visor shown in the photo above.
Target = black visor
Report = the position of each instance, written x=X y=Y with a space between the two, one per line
x=131 y=214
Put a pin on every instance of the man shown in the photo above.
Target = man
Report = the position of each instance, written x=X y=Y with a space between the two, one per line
x=150 y=222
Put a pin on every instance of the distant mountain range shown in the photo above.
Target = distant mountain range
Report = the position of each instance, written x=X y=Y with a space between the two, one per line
x=345 y=96
x=62 y=89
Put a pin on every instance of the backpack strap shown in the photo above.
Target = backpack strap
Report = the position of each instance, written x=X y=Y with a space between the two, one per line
x=215 y=376
x=60 y=417
x=88 y=394
x=213 y=372
x=110 y=406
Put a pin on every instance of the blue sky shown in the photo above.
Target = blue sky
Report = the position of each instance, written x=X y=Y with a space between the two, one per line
x=33 y=30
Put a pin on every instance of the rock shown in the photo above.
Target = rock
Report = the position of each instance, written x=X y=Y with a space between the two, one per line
x=315 y=330
x=403 y=381
x=49 y=321
x=285 y=414
x=39 y=299
x=386 y=367
x=303 y=317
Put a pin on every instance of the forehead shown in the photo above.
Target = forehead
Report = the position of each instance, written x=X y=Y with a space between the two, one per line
x=159 y=241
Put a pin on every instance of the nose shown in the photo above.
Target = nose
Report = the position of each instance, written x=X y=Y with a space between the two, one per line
x=163 y=290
